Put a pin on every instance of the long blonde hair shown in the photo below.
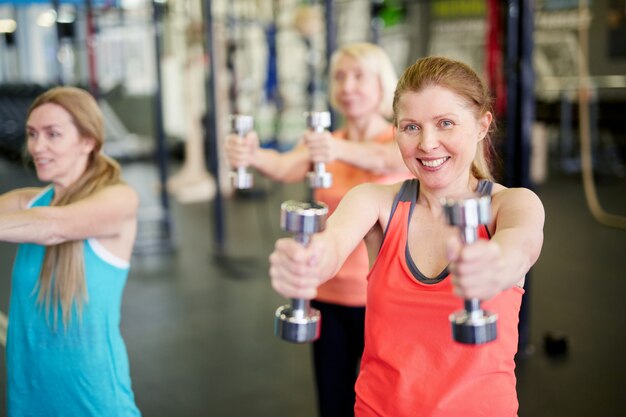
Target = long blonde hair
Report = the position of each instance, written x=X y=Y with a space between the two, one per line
x=62 y=279
x=373 y=58
x=463 y=81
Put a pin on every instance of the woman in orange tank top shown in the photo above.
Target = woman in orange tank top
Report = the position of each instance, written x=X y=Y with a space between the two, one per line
x=411 y=365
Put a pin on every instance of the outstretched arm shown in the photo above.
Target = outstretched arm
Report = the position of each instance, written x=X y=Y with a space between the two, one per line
x=289 y=166
x=102 y=215
x=379 y=158
x=486 y=267
x=297 y=271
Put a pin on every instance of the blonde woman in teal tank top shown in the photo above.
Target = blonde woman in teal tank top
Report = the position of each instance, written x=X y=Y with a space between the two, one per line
x=65 y=353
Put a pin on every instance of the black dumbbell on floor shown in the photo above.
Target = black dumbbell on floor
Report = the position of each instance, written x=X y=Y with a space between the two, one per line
x=298 y=322
x=473 y=325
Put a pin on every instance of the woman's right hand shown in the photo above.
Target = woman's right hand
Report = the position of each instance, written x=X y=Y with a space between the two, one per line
x=295 y=269
x=322 y=146
x=240 y=150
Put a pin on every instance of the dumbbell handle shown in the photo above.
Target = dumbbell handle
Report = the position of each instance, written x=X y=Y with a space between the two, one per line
x=300 y=306
x=472 y=305
x=241 y=125
x=469 y=235
x=319 y=167
x=318 y=122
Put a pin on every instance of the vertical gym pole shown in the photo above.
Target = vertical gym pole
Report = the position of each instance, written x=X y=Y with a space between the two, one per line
x=331 y=44
x=91 y=50
x=163 y=242
x=235 y=266
x=520 y=114
x=211 y=133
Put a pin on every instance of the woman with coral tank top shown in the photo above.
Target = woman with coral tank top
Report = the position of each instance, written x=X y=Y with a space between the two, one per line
x=411 y=364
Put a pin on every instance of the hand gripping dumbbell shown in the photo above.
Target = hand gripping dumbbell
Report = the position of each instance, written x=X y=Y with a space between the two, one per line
x=298 y=322
x=240 y=125
x=472 y=325
x=319 y=178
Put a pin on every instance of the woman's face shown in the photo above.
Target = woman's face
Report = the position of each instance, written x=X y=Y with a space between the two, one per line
x=357 y=89
x=59 y=153
x=438 y=134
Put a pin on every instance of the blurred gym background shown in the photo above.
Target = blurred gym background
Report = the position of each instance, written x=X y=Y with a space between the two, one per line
x=198 y=309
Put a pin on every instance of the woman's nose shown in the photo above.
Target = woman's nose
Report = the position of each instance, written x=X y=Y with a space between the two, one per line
x=347 y=84
x=428 y=140
x=35 y=144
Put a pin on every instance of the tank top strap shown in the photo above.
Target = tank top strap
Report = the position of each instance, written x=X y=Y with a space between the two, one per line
x=408 y=193
x=484 y=187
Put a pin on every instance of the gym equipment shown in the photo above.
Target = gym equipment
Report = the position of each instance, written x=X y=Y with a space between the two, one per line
x=591 y=195
x=472 y=325
x=319 y=178
x=240 y=124
x=298 y=322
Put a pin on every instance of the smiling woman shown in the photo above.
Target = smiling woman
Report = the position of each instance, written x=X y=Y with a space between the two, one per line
x=411 y=364
x=75 y=239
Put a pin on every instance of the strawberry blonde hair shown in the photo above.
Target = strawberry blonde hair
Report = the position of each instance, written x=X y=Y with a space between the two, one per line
x=62 y=280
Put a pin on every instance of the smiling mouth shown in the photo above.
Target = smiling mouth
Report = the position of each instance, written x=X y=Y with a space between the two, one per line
x=434 y=163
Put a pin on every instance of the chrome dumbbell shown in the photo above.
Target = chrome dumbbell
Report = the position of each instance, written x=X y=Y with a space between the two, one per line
x=318 y=121
x=298 y=322
x=240 y=125
x=472 y=325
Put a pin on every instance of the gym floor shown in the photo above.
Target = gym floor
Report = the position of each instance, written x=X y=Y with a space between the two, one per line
x=198 y=327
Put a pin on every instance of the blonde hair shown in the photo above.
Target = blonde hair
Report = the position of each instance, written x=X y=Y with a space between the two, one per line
x=62 y=279
x=463 y=81
x=374 y=59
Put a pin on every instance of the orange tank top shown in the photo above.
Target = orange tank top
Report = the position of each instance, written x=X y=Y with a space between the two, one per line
x=349 y=286
x=411 y=366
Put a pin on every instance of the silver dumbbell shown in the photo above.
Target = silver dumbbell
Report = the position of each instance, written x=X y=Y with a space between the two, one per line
x=240 y=125
x=298 y=322
x=319 y=178
x=472 y=325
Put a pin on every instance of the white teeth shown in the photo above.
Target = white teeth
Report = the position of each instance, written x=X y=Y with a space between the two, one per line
x=434 y=163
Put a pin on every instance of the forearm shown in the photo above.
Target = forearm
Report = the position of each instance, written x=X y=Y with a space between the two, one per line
x=375 y=157
x=519 y=232
x=519 y=254
x=34 y=225
x=290 y=166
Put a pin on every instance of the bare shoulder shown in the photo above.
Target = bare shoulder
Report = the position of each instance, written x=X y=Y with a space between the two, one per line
x=516 y=204
x=380 y=195
x=376 y=190
x=122 y=190
x=518 y=195
x=118 y=198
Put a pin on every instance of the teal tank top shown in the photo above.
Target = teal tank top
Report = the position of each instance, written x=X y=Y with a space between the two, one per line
x=79 y=371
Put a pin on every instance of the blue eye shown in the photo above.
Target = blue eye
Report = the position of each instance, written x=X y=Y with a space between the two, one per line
x=446 y=123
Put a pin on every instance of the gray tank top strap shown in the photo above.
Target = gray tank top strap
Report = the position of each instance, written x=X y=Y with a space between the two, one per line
x=408 y=192
x=484 y=187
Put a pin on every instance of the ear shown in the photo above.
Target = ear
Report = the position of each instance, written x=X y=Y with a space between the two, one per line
x=88 y=144
x=483 y=123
